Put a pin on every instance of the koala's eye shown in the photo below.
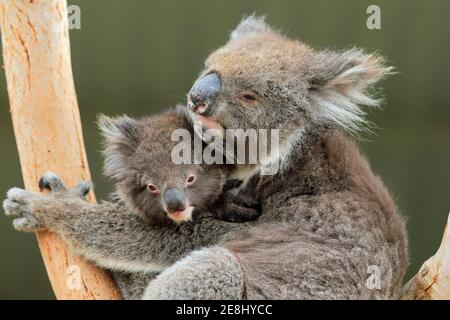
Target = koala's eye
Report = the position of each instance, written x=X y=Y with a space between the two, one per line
x=249 y=96
x=190 y=180
x=152 y=188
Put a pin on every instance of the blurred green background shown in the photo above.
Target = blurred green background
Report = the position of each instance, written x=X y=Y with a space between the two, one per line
x=139 y=57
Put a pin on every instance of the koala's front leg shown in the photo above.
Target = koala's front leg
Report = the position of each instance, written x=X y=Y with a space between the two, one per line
x=206 y=274
x=104 y=233
x=34 y=211
x=107 y=233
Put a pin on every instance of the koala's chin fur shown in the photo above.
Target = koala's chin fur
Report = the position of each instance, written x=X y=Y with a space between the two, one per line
x=326 y=220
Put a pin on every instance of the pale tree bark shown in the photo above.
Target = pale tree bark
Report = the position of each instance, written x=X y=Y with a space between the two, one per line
x=432 y=282
x=47 y=127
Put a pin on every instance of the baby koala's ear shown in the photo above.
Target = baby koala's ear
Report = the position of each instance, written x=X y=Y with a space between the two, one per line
x=250 y=25
x=121 y=138
x=340 y=83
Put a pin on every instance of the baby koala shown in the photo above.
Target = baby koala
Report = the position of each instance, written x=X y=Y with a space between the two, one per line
x=138 y=159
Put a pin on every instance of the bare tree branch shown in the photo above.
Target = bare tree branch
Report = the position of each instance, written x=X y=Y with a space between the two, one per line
x=47 y=127
x=432 y=282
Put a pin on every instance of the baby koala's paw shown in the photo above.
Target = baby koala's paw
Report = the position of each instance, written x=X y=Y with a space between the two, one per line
x=52 y=182
x=235 y=213
x=34 y=211
x=246 y=201
x=18 y=204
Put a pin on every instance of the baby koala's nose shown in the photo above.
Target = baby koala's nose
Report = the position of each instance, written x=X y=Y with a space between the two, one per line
x=174 y=200
x=203 y=93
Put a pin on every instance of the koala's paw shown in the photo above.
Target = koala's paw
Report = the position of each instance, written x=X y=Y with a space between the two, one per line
x=18 y=204
x=246 y=201
x=33 y=211
x=52 y=182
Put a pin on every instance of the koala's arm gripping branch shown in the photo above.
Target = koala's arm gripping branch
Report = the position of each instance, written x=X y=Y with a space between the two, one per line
x=432 y=282
x=47 y=127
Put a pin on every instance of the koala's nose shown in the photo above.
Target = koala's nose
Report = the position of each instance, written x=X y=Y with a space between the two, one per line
x=203 y=93
x=174 y=199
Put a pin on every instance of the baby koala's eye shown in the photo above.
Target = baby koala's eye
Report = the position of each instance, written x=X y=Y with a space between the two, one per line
x=152 y=188
x=249 y=96
x=190 y=180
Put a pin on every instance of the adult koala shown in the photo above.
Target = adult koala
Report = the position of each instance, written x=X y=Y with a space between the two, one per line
x=327 y=220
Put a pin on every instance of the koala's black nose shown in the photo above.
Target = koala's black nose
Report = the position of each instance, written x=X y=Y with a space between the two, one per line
x=174 y=199
x=203 y=93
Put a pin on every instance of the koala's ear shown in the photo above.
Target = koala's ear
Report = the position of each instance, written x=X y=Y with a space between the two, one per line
x=340 y=84
x=121 y=137
x=250 y=25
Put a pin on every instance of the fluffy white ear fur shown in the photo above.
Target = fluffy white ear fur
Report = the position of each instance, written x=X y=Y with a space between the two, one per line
x=341 y=84
x=120 y=139
x=249 y=25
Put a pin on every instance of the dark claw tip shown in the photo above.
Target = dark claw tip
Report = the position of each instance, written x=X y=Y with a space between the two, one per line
x=43 y=184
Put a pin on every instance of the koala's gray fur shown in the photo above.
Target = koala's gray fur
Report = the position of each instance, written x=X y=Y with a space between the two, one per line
x=326 y=217
x=207 y=273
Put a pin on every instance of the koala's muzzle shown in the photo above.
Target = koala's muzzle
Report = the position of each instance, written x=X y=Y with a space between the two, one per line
x=203 y=93
x=174 y=200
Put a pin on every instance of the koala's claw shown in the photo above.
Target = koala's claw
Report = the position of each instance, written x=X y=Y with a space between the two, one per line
x=52 y=182
x=83 y=188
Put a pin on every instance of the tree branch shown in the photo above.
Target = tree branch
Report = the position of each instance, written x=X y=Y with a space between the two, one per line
x=432 y=282
x=47 y=126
